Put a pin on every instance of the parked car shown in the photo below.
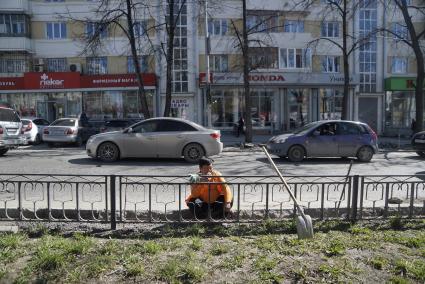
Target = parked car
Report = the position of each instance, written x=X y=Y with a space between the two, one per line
x=33 y=129
x=328 y=138
x=68 y=130
x=418 y=143
x=117 y=124
x=157 y=138
x=10 y=130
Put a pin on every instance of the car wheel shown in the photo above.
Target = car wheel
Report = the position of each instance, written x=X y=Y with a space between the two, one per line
x=37 y=139
x=422 y=154
x=193 y=152
x=108 y=152
x=296 y=153
x=79 y=141
x=3 y=151
x=365 y=154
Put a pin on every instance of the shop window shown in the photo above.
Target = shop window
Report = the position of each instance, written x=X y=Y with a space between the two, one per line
x=298 y=103
x=330 y=102
x=219 y=63
x=294 y=26
x=143 y=62
x=56 y=30
x=97 y=65
x=330 y=64
x=399 y=65
x=217 y=27
x=56 y=64
x=96 y=29
x=330 y=29
x=400 y=109
x=295 y=58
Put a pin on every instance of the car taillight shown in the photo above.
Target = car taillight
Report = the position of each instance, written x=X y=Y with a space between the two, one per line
x=69 y=132
x=1 y=130
x=216 y=136
x=29 y=127
x=103 y=129
x=46 y=131
x=373 y=133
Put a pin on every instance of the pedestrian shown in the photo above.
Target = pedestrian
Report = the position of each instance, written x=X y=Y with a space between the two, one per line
x=209 y=192
x=413 y=126
x=241 y=125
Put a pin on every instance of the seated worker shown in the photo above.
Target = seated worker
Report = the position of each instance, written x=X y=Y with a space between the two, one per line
x=218 y=196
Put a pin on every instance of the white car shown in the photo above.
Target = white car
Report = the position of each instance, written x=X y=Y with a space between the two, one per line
x=10 y=130
x=33 y=129
x=164 y=137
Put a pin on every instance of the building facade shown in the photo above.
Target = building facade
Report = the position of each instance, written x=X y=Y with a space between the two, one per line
x=296 y=66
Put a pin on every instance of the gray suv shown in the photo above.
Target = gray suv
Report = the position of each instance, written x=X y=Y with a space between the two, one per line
x=10 y=130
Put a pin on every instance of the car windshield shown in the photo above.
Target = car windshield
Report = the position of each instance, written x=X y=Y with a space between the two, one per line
x=8 y=115
x=64 y=122
x=306 y=128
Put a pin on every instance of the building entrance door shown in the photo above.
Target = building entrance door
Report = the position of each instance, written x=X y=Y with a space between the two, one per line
x=51 y=110
x=368 y=111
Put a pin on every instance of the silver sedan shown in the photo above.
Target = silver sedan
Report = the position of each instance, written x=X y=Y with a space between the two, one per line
x=157 y=138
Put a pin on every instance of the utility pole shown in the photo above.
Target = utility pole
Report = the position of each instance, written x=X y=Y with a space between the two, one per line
x=207 y=72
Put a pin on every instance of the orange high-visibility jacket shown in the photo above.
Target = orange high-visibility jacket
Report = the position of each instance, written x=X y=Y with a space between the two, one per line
x=201 y=190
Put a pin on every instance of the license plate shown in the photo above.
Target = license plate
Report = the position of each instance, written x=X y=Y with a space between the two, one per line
x=422 y=141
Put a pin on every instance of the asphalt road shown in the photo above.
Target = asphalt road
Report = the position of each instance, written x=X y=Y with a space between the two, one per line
x=72 y=160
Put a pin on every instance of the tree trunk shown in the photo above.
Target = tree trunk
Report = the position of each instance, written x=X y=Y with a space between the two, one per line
x=344 y=114
x=245 y=50
x=169 y=58
x=141 y=91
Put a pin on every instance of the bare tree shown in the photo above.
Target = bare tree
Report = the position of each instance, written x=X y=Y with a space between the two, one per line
x=413 y=37
x=109 y=15
x=344 y=12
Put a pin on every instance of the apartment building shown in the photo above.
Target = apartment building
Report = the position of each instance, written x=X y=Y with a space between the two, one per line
x=294 y=78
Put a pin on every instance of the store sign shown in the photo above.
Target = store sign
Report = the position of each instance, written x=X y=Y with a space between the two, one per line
x=179 y=103
x=116 y=80
x=272 y=78
x=400 y=84
x=54 y=80
x=12 y=83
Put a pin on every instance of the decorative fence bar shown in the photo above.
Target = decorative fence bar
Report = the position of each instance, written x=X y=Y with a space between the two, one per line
x=155 y=199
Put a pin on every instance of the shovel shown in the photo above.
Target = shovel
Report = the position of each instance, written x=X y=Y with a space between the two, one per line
x=304 y=223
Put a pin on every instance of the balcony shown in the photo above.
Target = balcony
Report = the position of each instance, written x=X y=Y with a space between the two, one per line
x=15 y=5
x=16 y=44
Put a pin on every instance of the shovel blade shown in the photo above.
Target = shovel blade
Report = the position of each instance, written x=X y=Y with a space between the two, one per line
x=304 y=227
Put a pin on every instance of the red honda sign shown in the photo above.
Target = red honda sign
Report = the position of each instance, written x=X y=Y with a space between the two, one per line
x=12 y=83
x=55 y=80
x=116 y=80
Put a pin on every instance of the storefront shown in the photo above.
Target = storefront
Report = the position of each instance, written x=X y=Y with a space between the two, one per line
x=400 y=105
x=67 y=94
x=279 y=101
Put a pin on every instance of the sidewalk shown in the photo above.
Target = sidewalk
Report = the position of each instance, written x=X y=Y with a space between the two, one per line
x=232 y=142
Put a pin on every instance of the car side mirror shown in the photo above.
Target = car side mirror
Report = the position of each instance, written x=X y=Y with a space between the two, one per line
x=128 y=130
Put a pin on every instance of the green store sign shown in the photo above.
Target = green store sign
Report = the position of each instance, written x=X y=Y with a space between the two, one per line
x=400 y=84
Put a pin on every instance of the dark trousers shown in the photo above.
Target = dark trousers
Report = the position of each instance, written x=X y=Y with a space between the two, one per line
x=200 y=209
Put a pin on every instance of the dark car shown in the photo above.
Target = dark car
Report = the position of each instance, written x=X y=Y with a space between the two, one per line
x=117 y=124
x=327 y=138
x=418 y=143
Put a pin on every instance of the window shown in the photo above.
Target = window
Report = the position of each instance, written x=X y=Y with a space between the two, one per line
x=330 y=29
x=399 y=31
x=217 y=27
x=97 y=65
x=180 y=67
x=171 y=125
x=56 y=30
x=292 y=58
x=349 y=129
x=330 y=64
x=93 y=29
x=219 y=63
x=260 y=21
x=294 y=26
x=56 y=65
x=148 y=126
x=399 y=65
x=263 y=58
x=140 y=28
x=13 y=66
x=13 y=25
x=143 y=62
